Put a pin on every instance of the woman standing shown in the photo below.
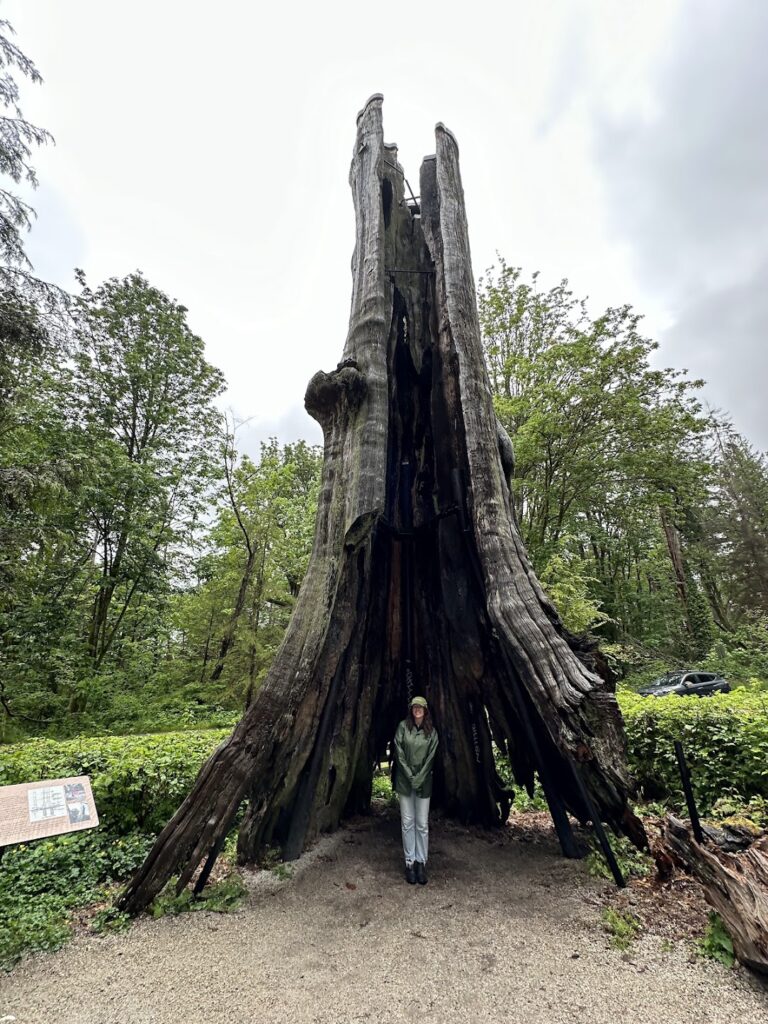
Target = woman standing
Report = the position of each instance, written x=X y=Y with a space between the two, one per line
x=415 y=747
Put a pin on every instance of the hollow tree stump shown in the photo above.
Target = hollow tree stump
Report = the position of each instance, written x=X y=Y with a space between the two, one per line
x=418 y=575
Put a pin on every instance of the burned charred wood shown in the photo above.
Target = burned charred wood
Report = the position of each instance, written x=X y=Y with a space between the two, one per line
x=416 y=575
x=735 y=884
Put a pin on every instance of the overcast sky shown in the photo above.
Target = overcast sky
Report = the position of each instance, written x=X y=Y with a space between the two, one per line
x=621 y=144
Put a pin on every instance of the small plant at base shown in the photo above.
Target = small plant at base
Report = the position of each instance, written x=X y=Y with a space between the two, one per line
x=110 y=919
x=524 y=803
x=717 y=943
x=382 y=788
x=223 y=896
x=229 y=851
x=272 y=860
x=732 y=810
x=220 y=898
x=282 y=871
x=631 y=861
x=622 y=928
x=650 y=809
x=167 y=902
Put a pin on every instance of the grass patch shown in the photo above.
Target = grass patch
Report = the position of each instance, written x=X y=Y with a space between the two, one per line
x=622 y=928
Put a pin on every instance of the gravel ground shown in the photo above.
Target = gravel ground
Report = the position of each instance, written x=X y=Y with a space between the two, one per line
x=505 y=931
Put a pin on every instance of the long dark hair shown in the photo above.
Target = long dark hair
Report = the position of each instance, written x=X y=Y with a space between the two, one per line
x=426 y=723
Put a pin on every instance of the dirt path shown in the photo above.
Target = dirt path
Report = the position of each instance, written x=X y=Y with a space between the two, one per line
x=505 y=931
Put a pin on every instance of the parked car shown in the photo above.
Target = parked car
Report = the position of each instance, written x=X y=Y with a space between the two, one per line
x=686 y=684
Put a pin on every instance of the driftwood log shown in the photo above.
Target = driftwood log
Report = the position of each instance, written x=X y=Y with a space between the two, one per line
x=735 y=884
x=418 y=580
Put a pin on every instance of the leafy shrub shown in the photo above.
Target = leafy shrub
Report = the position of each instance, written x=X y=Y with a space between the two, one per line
x=41 y=883
x=138 y=781
x=725 y=739
x=717 y=943
x=742 y=656
x=633 y=863
x=521 y=801
x=568 y=583
x=753 y=814
x=382 y=789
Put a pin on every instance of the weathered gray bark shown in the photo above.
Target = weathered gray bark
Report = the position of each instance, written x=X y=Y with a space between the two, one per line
x=735 y=884
x=482 y=640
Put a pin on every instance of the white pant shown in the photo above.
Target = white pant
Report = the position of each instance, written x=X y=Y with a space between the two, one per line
x=414 y=818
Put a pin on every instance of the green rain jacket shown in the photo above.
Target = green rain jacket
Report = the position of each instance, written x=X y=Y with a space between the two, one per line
x=414 y=757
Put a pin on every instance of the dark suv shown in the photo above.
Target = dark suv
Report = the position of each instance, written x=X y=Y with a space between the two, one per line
x=685 y=684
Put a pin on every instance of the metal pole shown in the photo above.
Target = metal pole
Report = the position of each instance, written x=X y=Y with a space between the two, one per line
x=213 y=856
x=602 y=838
x=685 y=777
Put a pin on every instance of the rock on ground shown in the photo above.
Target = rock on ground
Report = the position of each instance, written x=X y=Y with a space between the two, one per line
x=505 y=931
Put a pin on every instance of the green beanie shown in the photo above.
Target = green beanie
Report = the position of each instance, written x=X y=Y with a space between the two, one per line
x=420 y=702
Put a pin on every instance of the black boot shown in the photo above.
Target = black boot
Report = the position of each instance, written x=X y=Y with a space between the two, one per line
x=421 y=872
x=410 y=874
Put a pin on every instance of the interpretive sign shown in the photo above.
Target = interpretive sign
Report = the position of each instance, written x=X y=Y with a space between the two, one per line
x=34 y=810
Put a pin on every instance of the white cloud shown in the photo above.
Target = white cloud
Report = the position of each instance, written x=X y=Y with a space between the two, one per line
x=210 y=145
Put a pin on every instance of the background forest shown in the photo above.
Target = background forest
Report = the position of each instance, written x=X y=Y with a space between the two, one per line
x=148 y=569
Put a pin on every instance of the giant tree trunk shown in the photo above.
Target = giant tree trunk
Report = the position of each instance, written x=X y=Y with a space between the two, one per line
x=418 y=579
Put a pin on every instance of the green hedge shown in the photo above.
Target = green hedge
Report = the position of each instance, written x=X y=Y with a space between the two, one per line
x=725 y=738
x=139 y=781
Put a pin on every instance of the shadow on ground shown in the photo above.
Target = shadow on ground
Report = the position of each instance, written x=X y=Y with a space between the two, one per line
x=506 y=930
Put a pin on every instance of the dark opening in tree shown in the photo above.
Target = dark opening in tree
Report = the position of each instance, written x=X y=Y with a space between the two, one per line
x=418 y=577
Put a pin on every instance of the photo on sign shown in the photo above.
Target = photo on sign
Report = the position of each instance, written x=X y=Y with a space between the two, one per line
x=46 y=802
x=74 y=791
x=78 y=812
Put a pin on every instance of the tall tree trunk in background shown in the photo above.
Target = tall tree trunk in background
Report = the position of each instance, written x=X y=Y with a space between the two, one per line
x=416 y=553
x=228 y=640
x=207 y=647
x=696 y=606
x=675 y=556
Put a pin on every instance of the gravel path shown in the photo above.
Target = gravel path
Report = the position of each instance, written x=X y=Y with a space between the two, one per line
x=505 y=931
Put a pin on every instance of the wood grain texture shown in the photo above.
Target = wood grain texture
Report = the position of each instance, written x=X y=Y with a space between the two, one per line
x=735 y=884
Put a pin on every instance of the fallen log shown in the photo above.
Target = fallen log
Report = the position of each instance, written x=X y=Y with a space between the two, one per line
x=735 y=884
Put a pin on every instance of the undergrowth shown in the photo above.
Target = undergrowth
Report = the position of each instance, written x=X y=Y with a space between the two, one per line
x=220 y=897
x=43 y=883
x=716 y=944
x=632 y=862
x=622 y=928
